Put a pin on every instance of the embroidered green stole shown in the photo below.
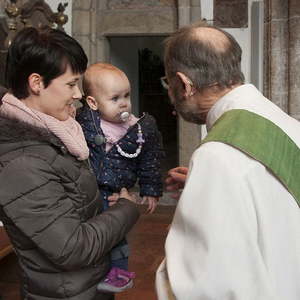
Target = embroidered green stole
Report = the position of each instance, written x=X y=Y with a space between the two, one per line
x=262 y=140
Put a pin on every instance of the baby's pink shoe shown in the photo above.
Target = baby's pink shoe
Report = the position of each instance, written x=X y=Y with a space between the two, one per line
x=117 y=280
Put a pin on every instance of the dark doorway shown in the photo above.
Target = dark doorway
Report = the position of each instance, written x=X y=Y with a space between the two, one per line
x=154 y=100
x=141 y=58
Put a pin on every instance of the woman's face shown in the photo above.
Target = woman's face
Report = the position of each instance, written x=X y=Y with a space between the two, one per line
x=55 y=100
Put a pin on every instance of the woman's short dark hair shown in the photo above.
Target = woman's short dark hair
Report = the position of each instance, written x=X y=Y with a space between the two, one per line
x=201 y=60
x=45 y=51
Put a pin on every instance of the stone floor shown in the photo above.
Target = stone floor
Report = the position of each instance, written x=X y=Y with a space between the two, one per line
x=147 y=247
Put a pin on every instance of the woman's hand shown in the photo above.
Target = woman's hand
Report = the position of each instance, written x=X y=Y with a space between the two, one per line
x=175 y=181
x=114 y=198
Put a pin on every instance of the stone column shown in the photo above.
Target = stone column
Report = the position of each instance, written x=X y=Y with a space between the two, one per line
x=103 y=48
x=195 y=12
x=84 y=26
x=189 y=134
x=276 y=85
x=282 y=54
x=294 y=59
x=2 y=8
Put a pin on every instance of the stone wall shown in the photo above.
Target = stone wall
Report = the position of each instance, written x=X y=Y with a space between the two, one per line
x=84 y=26
x=276 y=52
x=2 y=6
x=94 y=21
x=294 y=59
x=231 y=13
x=189 y=134
x=282 y=54
x=137 y=17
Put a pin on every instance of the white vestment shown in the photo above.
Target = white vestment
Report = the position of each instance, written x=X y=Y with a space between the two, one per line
x=236 y=230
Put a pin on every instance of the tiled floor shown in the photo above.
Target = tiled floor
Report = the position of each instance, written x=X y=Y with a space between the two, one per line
x=146 y=243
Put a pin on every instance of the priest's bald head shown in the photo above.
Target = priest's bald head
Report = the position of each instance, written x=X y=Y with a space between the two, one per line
x=202 y=64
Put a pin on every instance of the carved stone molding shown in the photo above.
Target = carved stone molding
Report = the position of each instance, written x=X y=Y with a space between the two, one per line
x=139 y=4
x=22 y=14
x=231 y=13
x=37 y=13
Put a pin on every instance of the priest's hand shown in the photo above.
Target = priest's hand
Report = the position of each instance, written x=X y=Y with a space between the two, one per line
x=175 y=181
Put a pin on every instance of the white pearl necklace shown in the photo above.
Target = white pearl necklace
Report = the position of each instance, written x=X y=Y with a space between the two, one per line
x=129 y=155
x=100 y=139
x=140 y=141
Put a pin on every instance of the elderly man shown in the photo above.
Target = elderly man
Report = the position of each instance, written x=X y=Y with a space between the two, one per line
x=236 y=230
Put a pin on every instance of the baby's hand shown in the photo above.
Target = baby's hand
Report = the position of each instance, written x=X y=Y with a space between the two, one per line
x=114 y=198
x=152 y=203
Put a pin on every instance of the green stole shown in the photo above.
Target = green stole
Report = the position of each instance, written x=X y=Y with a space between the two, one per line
x=262 y=140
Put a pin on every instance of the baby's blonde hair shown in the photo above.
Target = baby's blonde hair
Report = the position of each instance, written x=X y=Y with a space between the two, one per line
x=92 y=74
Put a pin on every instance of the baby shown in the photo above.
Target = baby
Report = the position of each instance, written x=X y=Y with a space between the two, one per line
x=123 y=149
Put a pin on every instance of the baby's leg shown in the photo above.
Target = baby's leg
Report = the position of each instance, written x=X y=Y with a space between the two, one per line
x=119 y=278
x=119 y=255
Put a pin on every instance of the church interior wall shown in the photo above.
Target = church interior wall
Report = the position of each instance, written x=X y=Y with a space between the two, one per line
x=100 y=25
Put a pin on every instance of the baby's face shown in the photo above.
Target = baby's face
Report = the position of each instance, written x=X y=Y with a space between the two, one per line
x=113 y=96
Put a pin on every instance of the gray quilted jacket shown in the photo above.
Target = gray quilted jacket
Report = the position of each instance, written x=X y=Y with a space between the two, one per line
x=50 y=207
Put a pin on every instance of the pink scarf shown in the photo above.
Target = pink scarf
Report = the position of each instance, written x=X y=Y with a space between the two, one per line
x=69 y=131
x=115 y=131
